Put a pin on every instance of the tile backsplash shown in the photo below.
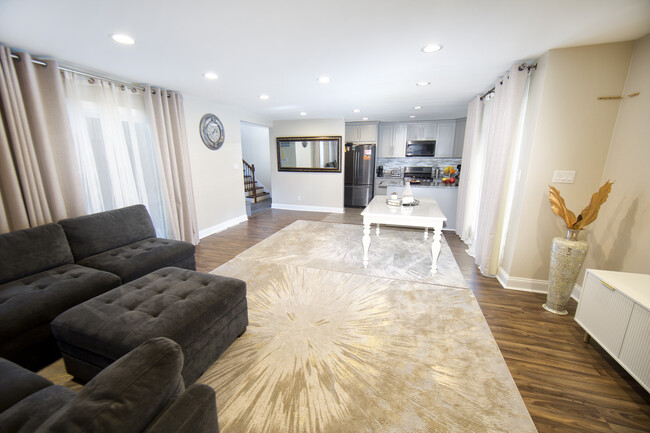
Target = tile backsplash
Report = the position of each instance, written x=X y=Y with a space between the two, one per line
x=394 y=163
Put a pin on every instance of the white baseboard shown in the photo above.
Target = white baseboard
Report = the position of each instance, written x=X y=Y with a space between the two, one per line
x=530 y=285
x=222 y=226
x=307 y=208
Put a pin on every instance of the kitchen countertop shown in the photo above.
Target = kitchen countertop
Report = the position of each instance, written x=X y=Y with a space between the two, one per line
x=386 y=182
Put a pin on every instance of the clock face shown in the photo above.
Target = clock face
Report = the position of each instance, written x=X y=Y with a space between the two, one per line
x=212 y=132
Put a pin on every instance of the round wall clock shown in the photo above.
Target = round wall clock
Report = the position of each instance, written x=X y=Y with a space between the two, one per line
x=212 y=132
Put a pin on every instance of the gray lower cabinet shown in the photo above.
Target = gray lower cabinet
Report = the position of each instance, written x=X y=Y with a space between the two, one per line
x=614 y=309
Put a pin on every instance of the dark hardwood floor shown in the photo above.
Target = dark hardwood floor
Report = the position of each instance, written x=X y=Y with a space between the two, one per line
x=567 y=385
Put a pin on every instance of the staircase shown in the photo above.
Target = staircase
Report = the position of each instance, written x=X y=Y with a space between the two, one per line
x=257 y=198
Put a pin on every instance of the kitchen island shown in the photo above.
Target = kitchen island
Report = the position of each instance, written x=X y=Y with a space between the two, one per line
x=446 y=197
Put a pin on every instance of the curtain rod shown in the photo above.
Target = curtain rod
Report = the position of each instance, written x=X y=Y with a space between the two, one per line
x=521 y=68
x=85 y=74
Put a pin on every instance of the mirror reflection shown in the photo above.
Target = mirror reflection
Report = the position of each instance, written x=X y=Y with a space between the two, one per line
x=309 y=154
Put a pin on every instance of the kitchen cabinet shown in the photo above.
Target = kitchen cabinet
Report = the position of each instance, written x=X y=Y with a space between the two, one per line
x=459 y=138
x=614 y=309
x=361 y=132
x=421 y=131
x=445 y=196
x=445 y=139
x=392 y=140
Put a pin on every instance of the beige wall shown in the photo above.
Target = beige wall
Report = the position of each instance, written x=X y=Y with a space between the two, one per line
x=566 y=128
x=620 y=238
x=306 y=191
x=217 y=175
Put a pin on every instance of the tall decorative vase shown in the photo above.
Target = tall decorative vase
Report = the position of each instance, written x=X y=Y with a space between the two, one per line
x=567 y=256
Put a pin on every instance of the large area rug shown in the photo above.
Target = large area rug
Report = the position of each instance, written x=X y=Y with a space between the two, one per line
x=333 y=347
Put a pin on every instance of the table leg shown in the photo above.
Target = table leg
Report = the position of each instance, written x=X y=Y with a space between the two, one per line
x=377 y=230
x=366 y=242
x=426 y=233
x=435 y=249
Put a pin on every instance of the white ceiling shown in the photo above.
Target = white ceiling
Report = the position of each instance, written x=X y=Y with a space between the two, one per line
x=369 y=48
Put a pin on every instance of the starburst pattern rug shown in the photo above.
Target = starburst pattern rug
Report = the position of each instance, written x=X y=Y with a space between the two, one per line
x=337 y=350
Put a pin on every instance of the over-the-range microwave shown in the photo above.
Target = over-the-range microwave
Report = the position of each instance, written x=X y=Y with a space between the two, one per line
x=421 y=148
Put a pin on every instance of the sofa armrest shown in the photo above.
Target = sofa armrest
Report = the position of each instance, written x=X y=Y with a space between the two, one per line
x=195 y=411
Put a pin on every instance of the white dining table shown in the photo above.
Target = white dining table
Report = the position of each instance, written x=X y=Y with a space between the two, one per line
x=426 y=214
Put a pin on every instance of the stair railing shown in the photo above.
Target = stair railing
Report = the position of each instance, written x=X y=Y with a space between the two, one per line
x=249 y=179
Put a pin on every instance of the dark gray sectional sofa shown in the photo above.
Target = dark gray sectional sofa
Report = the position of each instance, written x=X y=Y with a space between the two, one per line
x=46 y=270
x=142 y=391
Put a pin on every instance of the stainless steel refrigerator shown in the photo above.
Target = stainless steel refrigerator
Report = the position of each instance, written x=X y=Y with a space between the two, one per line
x=359 y=174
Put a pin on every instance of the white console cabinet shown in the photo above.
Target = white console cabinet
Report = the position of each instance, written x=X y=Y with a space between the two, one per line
x=614 y=309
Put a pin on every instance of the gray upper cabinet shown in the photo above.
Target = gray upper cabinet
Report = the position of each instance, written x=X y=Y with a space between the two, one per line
x=421 y=131
x=459 y=138
x=445 y=138
x=392 y=140
x=361 y=132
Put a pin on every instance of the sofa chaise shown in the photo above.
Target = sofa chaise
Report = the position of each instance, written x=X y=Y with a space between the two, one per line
x=47 y=270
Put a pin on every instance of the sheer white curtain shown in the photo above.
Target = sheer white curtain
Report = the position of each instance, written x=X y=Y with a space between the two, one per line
x=118 y=158
x=501 y=138
x=469 y=188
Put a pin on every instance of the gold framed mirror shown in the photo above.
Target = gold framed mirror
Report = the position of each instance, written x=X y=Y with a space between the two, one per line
x=315 y=154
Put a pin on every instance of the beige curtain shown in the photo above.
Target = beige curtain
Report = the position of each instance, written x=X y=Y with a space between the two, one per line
x=39 y=180
x=165 y=110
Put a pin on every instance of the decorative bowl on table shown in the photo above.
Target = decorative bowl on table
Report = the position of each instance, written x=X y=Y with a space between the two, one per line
x=394 y=202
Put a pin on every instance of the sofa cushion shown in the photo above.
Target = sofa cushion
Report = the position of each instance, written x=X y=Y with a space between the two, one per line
x=127 y=395
x=140 y=258
x=26 y=252
x=17 y=383
x=32 y=411
x=93 y=234
x=39 y=298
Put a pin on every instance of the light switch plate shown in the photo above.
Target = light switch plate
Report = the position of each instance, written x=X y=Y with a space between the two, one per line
x=560 y=176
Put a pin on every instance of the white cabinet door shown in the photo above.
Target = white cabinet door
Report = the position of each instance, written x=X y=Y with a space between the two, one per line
x=385 y=144
x=421 y=131
x=351 y=133
x=414 y=131
x=604 y=313
x=445 y=139
x=635 y=352
x=358 y=132
x=399 y=140
x=459 y=138
x=429 y=131
x=368 y=133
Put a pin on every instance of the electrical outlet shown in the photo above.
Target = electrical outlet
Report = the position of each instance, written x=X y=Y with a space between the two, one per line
x=299 y=198
x=563 y=176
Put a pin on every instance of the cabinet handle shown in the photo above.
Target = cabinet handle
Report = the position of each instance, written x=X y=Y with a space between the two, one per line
x=608 y=286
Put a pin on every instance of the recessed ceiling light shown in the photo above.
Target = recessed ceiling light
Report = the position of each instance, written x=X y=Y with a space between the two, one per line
x=302 y=113
x=123 y=39
x=323 y=79
x=210 y=75
x=431 y=48
x=423 y=83
x=365 y=118
x=417 y=107
x=264 y=97
x=411 y=117
x=356 y=110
